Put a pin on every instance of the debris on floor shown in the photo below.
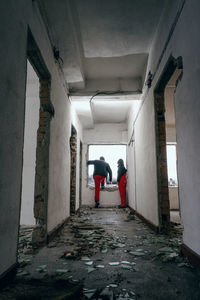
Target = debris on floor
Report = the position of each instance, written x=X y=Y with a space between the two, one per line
x=105 y=254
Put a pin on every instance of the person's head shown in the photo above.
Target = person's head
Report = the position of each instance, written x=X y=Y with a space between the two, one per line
x=102 y=158
x=120 y=162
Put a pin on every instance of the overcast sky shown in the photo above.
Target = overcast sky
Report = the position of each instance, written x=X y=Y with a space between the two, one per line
x=111 y=153
x=171 y=162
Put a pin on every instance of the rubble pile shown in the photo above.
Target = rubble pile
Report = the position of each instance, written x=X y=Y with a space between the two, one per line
x=25 y=249
x=109 y=252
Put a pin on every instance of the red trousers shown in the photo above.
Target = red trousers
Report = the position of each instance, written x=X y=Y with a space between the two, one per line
x=97 y=181
x=122 y=189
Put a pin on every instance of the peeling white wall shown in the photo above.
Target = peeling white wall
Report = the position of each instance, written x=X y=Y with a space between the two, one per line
x=145 y=162
x=15 y=17
x=30 y=143
x=184 y=42
x=101 y=134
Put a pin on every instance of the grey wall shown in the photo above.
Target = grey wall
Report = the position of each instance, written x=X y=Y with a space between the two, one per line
x=12 y=95
x=14 y=19
x=184 y=42
x=32 y=104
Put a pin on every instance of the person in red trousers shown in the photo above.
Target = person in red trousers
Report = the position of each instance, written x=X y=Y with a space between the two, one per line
x=101 y=169
x=121 y=179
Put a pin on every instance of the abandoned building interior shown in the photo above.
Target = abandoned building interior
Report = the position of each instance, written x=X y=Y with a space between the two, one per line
x=78 y=75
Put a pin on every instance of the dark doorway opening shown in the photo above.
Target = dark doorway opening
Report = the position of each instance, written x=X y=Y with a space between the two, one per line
x=166 y=133
x=35 y=211
x=73 y=150
x=32 y=105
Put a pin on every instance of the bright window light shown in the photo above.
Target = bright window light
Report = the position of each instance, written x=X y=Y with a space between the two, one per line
x=111 y=153
x=171 y=165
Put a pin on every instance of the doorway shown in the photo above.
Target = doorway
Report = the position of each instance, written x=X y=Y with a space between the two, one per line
x=166 y=143
x=73 y=152
x=32 y=106
x=38 y=113
x=30 y=143
x=171 y=148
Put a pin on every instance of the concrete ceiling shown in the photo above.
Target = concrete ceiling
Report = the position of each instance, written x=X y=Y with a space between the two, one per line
x=104 y=45
x=105 y=109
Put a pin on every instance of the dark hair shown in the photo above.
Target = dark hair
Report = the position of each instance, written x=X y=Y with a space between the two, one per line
x=120 y=162
x=102 y=158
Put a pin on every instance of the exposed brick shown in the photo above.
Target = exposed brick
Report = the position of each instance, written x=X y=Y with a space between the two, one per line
x=165 y=211
x=165 y=203
x=162 y=159
x=42 y=165
x=44 y=114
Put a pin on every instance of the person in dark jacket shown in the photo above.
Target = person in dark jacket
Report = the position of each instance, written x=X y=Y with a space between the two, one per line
x=121 y=179
x=101 y=169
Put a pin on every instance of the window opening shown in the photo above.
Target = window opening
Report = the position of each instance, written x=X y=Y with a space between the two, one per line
x=111 y=153
x=172 y=165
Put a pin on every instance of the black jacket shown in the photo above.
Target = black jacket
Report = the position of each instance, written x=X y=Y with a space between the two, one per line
x=101 y=168
x=121 y=171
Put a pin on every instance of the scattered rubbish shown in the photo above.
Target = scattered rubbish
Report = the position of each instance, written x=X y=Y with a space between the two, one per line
x=87 y=239
x=89 y=263
x=107 y=294
x=169 y=257
x=124 y=262
x=126 y=267
x=137 y=253
x=173 y=254
x=90 y=269
x=85 y=258
x=112 y=285
x=62 y=271
x=100 y=266
x=132 y=293
x=114 y=263
x=89 y=293
x=68 y=255
x=104 y=251
x=42 y=268
x=165 y=249
x=22 y=273
x=180 y=265
x=120 y=245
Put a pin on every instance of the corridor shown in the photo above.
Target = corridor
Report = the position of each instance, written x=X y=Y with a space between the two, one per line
x=106 y=253
x=82 y=79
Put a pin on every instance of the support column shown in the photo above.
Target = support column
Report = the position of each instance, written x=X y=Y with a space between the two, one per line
x=42 y=165
x=163 y=193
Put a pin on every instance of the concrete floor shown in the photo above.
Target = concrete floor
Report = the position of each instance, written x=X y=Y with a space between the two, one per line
x=106 y=254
